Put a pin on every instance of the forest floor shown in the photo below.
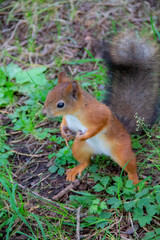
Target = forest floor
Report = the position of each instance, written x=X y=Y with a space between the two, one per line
x=38 y=40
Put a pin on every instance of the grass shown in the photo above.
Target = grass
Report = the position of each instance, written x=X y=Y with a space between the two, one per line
x=34 y=157
x=15 y=216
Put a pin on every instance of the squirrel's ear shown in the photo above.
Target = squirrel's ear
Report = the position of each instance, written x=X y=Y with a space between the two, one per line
x=74 y=89
x=62 y=77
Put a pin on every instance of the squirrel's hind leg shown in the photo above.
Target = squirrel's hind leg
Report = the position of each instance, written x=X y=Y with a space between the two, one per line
x=125 y=157
x=82 y=152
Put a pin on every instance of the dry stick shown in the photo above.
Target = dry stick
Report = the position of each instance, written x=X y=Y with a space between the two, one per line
x=14 y=133
x=44 y=154
x=37 y=166
x=19 y=140
x=72 y=71
x=32 y=156
x=88 y=40
x=134 y=231
x=66 y=142
x=156 y=222
x=4 y=112
x=41 y=180
x=110 y=4
x=10 y=48
x=124 y=238
x=78 y=223
x=27 y=179
x=8 y=29
x=42 y=124
x=66 y=189
x=29 y=155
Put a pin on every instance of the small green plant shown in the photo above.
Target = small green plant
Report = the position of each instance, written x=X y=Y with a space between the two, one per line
x=97 y=206
x=31 y=82
x=101 y=221
x=7 y=89
x=145 y=206
x=62 y=158
x=4 y=147
x=153 y=235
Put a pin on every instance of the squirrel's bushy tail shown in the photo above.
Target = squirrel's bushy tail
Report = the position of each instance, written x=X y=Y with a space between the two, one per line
x=134 y=68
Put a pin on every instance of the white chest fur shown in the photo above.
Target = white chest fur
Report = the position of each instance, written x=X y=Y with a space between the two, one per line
x=74 y=124
x=98 y=143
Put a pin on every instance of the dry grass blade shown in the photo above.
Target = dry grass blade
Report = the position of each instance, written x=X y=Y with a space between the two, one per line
x=78 y=223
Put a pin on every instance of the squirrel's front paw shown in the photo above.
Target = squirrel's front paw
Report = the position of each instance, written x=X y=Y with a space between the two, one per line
x=80 y=135
x=67 y=133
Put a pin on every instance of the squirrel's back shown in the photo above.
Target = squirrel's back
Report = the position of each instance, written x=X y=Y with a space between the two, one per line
x=134 y=68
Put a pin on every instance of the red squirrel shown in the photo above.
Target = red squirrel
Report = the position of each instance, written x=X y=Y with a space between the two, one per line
x=96 y=125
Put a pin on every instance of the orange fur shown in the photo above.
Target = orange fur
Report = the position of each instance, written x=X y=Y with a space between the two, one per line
x=97 y=129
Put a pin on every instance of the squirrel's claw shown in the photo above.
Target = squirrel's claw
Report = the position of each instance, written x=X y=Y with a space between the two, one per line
x=72 y=173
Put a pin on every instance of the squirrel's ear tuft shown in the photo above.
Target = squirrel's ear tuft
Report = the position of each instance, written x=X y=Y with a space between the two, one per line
x=74 y=89
x=62 y=77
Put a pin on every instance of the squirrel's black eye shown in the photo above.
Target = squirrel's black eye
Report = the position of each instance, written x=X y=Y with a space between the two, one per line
x=60 y=105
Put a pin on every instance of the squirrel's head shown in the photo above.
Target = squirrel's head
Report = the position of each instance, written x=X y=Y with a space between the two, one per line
x=63 y=99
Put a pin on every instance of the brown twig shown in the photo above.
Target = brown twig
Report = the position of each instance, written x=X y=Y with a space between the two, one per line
x=42 y=124
x=30 y=155
x=66 y=190
x=41 y=180
x=18 y=140
x=66 y=142
x=4 y=112
x=156 y=222
x=88 y=40
x=132 y=225
x=14 y=133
